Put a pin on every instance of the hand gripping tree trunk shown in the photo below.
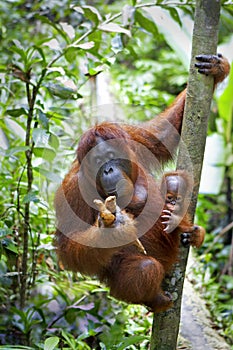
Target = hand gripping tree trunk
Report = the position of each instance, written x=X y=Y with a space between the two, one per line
x=197 y=109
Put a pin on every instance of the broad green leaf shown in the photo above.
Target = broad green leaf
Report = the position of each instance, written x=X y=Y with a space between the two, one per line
x=61 y=91
x=68 y=29
x=85 y=46
x=16 y=112
x=175 y=15
x=9 y=245
x=128 y=13
x=40 y=137
x=15 y=128
x=132 y=340
x=18 y=48
x=90 y=13
x=49 y=175
x=30 y=197
x=44 y=121
x=14 y=150
x=46 y=153
x=114 y=28
x=96 y=37
x=54 y=141
x=71 y=53
x=54 y=25
x=146 y=22
x=51 y=343
x=53 y=44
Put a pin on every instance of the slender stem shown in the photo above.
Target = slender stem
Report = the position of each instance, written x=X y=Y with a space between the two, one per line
x=31 y=98
x=29 y=170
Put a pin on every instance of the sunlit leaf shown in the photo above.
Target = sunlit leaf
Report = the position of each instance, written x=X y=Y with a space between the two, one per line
x=51 y=343
x=40 y=137
x=14 y=150
x=85 y=46
x=68 y=29
x=44 y=152
x=15 y=128
x=44 y=121
x=90 y=13
x=53 y=44
x=54 y=141
x=128 y=15
x=114 y=28
x=49 y=175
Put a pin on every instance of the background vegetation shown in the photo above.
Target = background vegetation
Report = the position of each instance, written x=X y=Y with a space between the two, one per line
x=51 y=59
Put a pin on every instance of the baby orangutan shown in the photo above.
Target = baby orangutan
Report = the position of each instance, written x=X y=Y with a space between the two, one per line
x=176 y=187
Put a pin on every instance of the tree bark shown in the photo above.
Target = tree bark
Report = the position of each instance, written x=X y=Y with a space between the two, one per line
x=197 y=108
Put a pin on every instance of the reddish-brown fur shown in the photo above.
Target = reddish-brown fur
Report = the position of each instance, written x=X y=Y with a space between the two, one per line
x=131 y=275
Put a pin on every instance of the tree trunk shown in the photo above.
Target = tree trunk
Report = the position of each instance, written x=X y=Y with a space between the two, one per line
x=197 y=109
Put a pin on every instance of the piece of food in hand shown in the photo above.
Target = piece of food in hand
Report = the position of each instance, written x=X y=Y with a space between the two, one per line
x=108 y=211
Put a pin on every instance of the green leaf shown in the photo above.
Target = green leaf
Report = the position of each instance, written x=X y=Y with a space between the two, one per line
x=53 y=44
x=44 y=121
x=16 y=112
x=18 y=48
x=49 y=175
x=54 y=141
x=225 y=105
x=114 y=28
x=61 y=91
x=54 y=25
x=145 y=22
x=51 y=343
x=132 y=340
x=96 y=37
x=90 y=13
x=85 y=46
x=14 y=150
x=175 y=15
x=68 y=29
x=9 y=245
x=31 y=197
x=71 y=53
x=46 y=153
x=128 y=13
x=40 y=137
